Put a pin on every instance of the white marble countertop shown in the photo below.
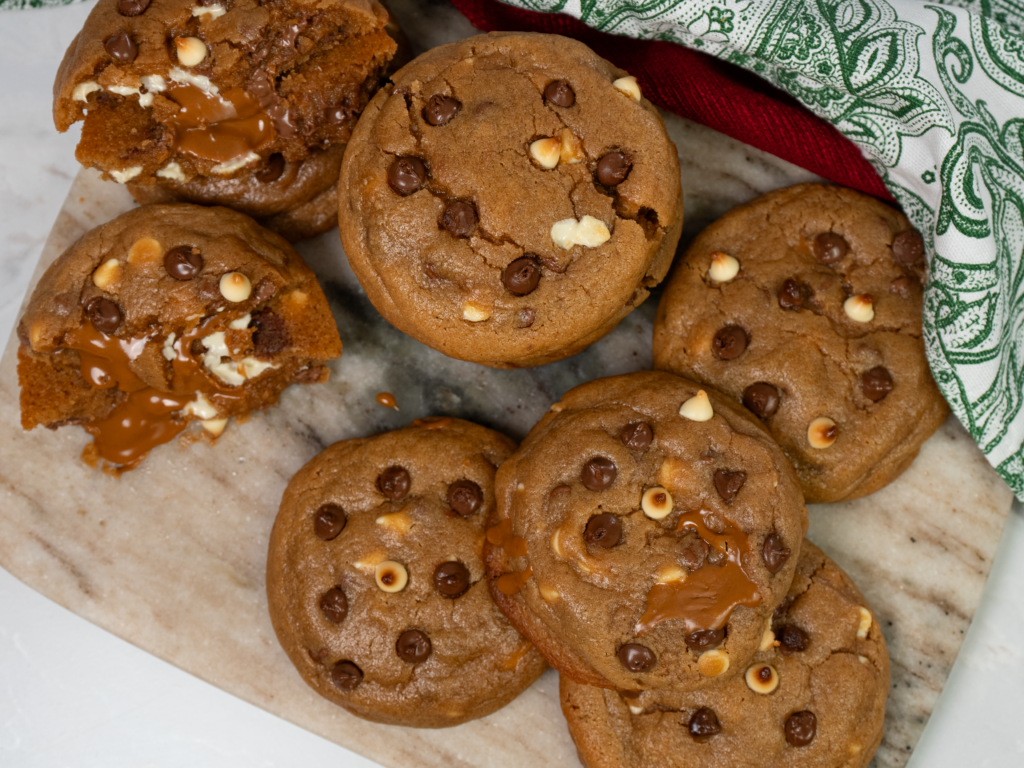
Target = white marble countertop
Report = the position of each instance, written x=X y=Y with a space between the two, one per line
x=73 y=695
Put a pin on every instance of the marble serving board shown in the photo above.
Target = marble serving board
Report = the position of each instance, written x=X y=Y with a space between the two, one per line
x=171 y=556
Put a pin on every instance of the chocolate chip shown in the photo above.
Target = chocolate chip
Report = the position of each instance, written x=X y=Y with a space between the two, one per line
x=828 y=247
x=729 y=343
x=791 y=639
x=703 y=639
x=441 y=109
x=459 y=218
x=132 y=7
x=704 y=724
x=394 y=483
x=613 y=168
x=103 y=314
x=908 y=247
x=121 y=48
x=406 y=175
x=693 y=554
x=559 y=93
x=801 y=728
x=791 y=295
x=346 y=675
x=272 y=171
x=265 y=288
x=334 y=605
x=637 y=658
x=197 y=348
x=900 y=285
x=728 y=484
x=261 y=86
x=774 y=554
x=451 y=579
x=876 y=384
x=522 y=276
x=271 y=335
x=604 y=530
x=598 y=473
x=525 y=317
x=329 y=521
x=183 y=263
x=413 y=646
x=637 y=436
x=762 y=399
x=338 y=114
x=464 y=497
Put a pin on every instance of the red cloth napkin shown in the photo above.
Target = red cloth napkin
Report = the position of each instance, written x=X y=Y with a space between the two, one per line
x=705 y=90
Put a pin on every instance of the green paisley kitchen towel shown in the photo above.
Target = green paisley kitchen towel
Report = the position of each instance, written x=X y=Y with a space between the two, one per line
x=934 y=96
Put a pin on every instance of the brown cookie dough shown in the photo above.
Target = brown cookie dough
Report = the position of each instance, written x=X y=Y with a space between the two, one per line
x=510 y=198
x=165 y=315
x=805 y=304
x=297 y=200
x=813 y=698
x=375 y=581
x=646 y=530
x=180 y=89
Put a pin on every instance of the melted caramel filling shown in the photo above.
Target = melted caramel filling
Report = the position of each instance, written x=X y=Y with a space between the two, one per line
x=221 y=127
x=707 y=597
x=510 y=583
x=147 y=417
x=501 y=535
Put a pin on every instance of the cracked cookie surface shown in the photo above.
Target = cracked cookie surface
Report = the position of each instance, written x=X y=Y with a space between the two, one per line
x=805 y=304
x=375 y=580
x=639 y=548
x=814 y=697
x=458 y=173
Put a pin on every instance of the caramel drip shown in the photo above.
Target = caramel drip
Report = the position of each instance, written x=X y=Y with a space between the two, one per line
x=433 y=422
x=387 y=400
x=218 y=127
x=146 y=417
x=510 y=583
x=513 y=661
x=707 y=597
x=501 y=535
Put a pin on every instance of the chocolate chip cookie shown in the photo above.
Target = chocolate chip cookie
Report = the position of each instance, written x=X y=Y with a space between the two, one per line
x=169 y=314
x=645 y=531
x=805 y=304
x=813 y=696
x=510 y=198
x=376 y=584
x=192 y=93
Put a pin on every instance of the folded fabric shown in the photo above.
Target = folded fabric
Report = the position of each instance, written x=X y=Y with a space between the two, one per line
x=932 y=95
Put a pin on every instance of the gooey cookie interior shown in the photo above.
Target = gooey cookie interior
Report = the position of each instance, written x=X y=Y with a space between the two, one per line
x=638 y=547
x=375 y=581
x=166 y=315
x=813 y=695
x=505 y=202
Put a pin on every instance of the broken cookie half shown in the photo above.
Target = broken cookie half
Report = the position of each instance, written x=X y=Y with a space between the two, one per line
x=166 y=315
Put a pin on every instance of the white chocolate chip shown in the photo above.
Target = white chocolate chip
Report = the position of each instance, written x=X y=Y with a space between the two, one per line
x=235 y=165
x=391 y=576
x=397 y=522
x=635 y=710
x=214 y=426
x=214 y=11
x=697 y=408
x=82 y=91
x=191 y=51
x=860 y=308
x=474 y=312
x=231 y=373
x=588 y=232
x=723 y=267
x=767 y=640
x=550 y=594
x=171 y=171
x=546 y=152
x=713 y=663
x=520 y=487
x=144 y=251
x=202 y=82
x=235 y=287
x=865 y=623
x=822 y=432
x=368 y=563
x=124 y=90
x=557 y=408
x=200 y=407
x=762 y=678
x=628 y=86
x=241 y=323
x=556 y=543
x=107 y=274
x=656 y=503
x=168 y=350
x=123 y=177
x=154 y=83
x=571 y=148
x=670 y=574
